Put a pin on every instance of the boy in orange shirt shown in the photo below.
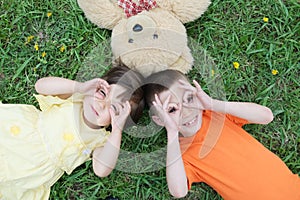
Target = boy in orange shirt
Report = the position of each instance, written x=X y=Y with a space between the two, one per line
x=206 y=143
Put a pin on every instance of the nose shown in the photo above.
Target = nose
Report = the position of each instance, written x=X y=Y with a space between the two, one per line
x=137 y=28
x=185 y=112
x=101 y=106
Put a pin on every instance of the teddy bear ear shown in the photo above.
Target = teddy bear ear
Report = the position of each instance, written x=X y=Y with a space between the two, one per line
x=185 y=10
x=103 y=13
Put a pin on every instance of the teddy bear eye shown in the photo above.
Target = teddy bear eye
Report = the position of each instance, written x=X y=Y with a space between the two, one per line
x=155 y=36
x=130 y=40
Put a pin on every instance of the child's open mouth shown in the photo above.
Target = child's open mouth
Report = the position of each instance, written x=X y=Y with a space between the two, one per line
x=192 y=122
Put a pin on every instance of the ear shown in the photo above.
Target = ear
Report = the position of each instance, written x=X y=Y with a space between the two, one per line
x=185 y=10
x=104 y=13
x=157 y=120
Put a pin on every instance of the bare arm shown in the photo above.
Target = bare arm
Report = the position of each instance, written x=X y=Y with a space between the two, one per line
x=105 y=159
x=55 y=86
x=64 y=88
x=252 y=112
x=176 y=177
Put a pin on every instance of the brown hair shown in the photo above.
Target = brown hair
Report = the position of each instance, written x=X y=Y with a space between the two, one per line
x=132 y=81
x=159 y=82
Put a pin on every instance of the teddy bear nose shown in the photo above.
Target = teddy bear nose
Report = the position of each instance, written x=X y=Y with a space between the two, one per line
x=137 y=28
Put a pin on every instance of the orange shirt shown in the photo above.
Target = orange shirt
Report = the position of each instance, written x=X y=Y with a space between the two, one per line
x=236 y=165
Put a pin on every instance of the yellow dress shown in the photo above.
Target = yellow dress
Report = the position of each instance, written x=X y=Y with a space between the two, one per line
x=37 y=147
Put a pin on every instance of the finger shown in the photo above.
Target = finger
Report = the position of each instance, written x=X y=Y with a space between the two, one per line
x=123 y=107
x=158 y=108
x=182 y=81
x=166 y=103
x=197 y=85
x=186 y=85
x=127 y=107
x=128 y=104
x=112 y=112
x=157 y=100
x=104 y=86
x=154 y=103
x=115 y=109
x=103 y=82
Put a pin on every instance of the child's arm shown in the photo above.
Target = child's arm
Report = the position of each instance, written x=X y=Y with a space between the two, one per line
x=252 y=112
x=176 y=177
x=105 y=159
x=64 y=88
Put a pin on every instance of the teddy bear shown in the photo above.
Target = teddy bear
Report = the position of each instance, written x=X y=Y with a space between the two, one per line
x=148 y=35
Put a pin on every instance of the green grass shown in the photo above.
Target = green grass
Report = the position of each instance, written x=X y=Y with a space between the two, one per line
x=230 y=31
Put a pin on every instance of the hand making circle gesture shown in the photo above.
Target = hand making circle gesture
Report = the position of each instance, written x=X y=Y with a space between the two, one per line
x=164 y=110
x=203 y=100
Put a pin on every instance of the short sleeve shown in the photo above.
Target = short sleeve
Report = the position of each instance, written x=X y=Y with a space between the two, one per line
x=238 y=121
x=191 y=175
x=47 y=101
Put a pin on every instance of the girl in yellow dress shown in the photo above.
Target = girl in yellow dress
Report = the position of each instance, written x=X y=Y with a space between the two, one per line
x=38 y=146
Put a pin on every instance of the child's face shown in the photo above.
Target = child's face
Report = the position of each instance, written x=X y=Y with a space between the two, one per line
x=181 y=109
x=96 y=108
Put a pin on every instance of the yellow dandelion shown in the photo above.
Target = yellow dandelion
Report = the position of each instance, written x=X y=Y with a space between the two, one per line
x=44 y=54
x=62 y=48
x=275 y=72
x=212 y=72
x=36 y=47
x=265 y=19
x=49 y=14
x=236 y=65
x=29 y=38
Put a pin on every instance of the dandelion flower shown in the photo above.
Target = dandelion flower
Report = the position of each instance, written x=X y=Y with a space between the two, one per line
x=29 y=38
x=236 y=65
x=265 y=19
x=275 y=72
x=36 y=47
x=44 y=54
x=62 y=48
x=49 y=14
x=212 y=72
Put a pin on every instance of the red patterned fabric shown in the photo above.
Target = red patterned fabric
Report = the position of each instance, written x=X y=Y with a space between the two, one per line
x=131 y=8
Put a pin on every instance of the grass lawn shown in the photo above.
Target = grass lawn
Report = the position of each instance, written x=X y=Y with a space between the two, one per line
x=43 y=38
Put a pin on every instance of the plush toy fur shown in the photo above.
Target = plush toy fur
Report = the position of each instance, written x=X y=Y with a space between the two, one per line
x=152 y=40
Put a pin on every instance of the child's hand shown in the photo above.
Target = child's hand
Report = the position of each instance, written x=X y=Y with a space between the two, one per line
x=96 y=87
x=163 y=111
x=119 y=113
x=205 y=102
